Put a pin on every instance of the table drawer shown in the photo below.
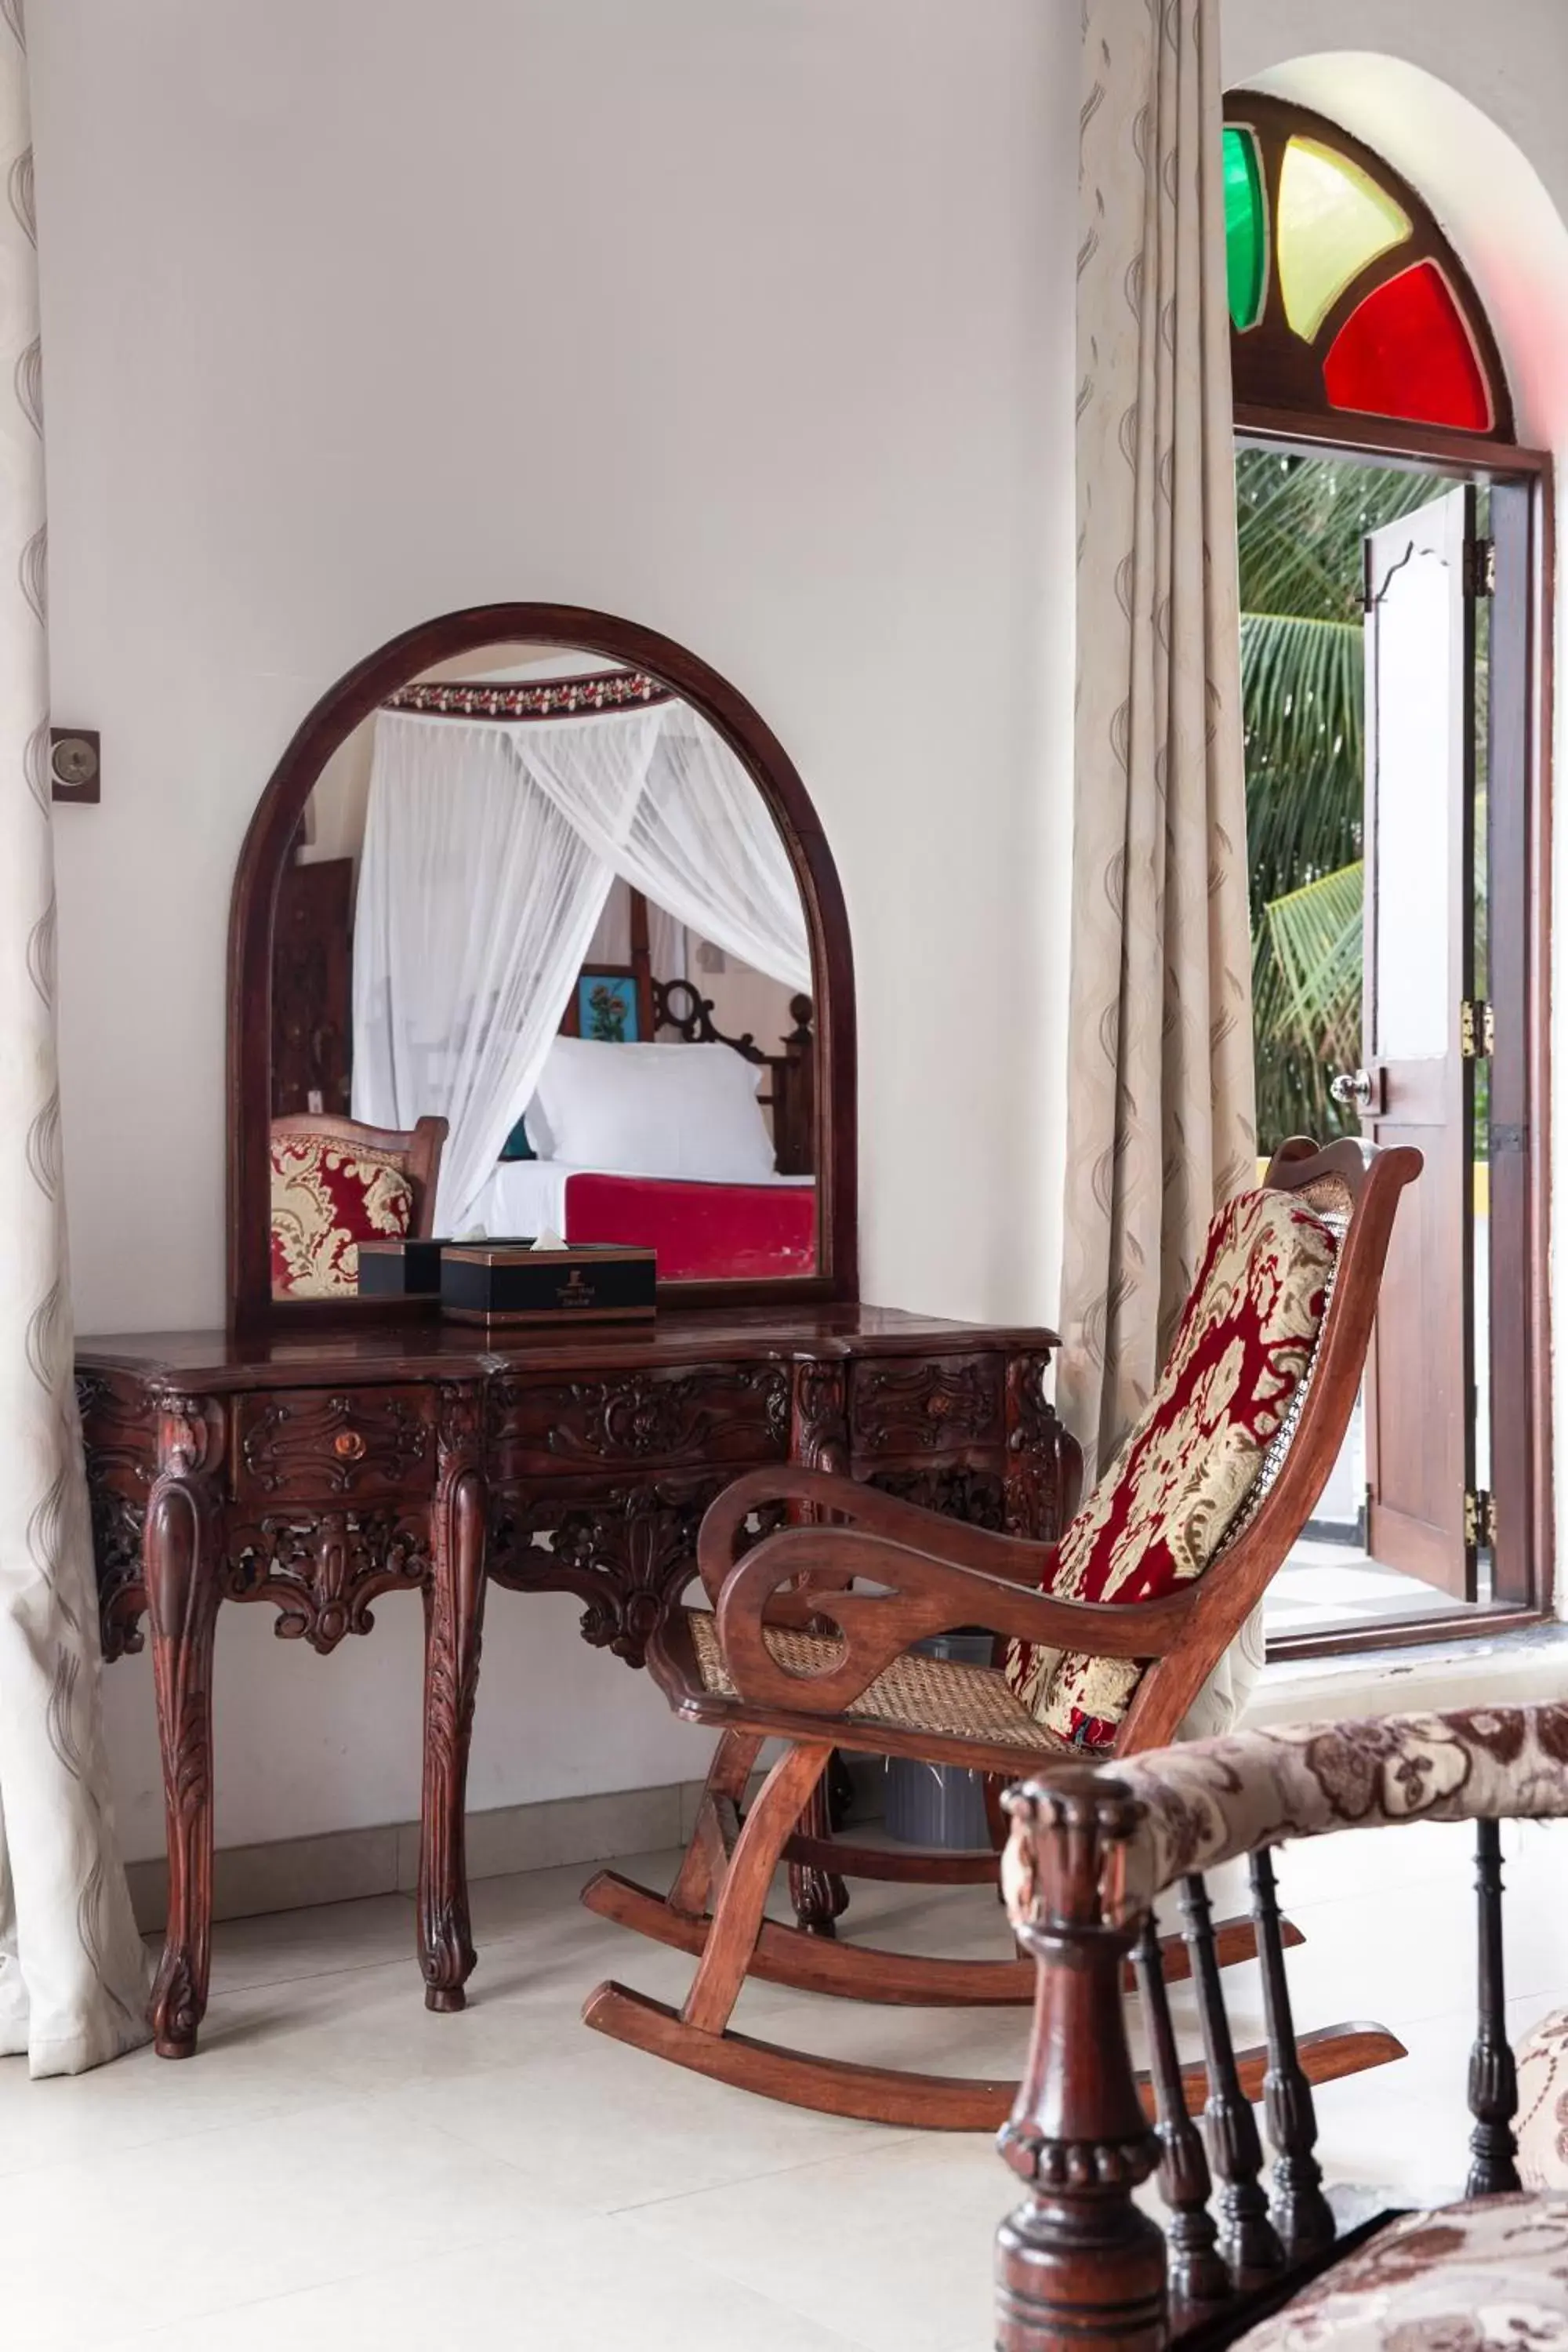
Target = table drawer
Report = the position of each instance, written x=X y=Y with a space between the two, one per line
x=930 y=1405
x=735 y=1414
x=304 y=1445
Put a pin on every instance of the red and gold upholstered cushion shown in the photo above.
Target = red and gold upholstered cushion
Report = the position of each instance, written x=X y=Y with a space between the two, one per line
x=1158 y=1516
x=327 y=1198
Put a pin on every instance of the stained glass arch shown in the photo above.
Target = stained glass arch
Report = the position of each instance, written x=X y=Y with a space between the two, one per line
x=1346 y=298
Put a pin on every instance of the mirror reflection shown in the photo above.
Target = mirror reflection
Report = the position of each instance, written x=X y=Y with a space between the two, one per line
x=541 y=966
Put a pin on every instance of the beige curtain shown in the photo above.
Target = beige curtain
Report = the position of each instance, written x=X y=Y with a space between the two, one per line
x=1160 y=1121
x=72 y=1969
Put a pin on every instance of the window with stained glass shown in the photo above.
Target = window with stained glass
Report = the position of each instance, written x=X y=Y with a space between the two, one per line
x=1344 y=294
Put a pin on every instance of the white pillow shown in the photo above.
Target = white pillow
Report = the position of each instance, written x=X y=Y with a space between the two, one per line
x=655 y=1110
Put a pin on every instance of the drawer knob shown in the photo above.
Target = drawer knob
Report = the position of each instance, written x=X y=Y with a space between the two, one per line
x=348 y=1446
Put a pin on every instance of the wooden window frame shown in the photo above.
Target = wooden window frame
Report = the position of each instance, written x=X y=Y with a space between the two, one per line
x=1273 y=370
x=1521 y=681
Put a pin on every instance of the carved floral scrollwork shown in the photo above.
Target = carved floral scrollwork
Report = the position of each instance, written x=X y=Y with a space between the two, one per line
x=821 y=1419
x=117 y=1530
x=927 y=1406
x=118 y=1438
x=189 y=1436
x=322 y=1573
x=648 y=1416
x=1045 y=1462
x=330 y=1444
x=976 y=1497
x=629 y=1554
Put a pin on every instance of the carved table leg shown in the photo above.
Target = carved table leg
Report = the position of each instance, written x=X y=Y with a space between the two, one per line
x=181 y=1567
x=819 y=1439
x=453 y=1621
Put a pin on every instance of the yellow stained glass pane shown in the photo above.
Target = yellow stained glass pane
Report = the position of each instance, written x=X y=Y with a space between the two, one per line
x=1333 y=220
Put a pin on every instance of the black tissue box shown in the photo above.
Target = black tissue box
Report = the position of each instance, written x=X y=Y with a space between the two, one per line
x=510 y=1281
x=411 y=1267
x=400 y=1269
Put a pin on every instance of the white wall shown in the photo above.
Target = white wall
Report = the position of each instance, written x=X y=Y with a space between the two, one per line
x=1468 y=103
x=790 y=378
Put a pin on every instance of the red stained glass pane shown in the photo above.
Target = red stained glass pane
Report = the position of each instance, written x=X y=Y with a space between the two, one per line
x=1406 y=351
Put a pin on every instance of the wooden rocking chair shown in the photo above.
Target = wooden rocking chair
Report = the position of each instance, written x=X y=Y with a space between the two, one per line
x=758 y=1666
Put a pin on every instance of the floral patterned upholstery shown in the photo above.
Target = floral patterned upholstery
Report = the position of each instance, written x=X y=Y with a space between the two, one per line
x=1212 y=1800
x=1158 y=1516
x=1491 y=2276
x=328 y=1197
x=1541 y=2123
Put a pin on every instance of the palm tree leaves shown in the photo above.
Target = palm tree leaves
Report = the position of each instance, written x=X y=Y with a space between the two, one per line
x=1300 y=522
x=1315 y=937
x=1301 y=699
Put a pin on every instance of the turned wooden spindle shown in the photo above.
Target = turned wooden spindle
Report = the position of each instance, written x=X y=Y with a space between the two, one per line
x=1077 y=2262
x=1302 y=2214
x=1197 y=2273
x=1493 y=2086
x=1246 y=2235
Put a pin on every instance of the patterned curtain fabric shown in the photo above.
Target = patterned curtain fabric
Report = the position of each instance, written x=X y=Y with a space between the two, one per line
x=1159 y=1123
x=72 y=1969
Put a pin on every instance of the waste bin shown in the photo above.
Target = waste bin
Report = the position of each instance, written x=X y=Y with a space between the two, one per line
x=939 y=1804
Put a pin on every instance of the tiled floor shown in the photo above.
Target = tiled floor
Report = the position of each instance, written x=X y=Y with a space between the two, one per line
x=339 y=2170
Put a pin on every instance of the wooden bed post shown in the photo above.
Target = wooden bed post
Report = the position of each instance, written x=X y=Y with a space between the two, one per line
x=642 y=964
x=1076 y=2260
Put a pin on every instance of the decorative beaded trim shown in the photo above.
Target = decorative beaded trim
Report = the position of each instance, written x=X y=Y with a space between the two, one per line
x=550 y=698
x=1279 y=1444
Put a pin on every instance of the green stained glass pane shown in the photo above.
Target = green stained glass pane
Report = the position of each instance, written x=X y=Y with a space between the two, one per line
x=1245 y=230
x=1333 y=220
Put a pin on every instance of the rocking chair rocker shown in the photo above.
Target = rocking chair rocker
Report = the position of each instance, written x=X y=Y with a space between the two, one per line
x=1225 y=1501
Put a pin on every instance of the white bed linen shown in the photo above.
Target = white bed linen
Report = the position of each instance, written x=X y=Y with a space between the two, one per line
x=656 y=1109
x=526 y=1196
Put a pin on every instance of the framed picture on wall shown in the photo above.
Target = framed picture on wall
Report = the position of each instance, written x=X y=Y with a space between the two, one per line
x=604 y=1007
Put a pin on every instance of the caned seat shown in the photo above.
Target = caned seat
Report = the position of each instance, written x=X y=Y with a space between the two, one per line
x=918 y=1693
x=1103 y=1641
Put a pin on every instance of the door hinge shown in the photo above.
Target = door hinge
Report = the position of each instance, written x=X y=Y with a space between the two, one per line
x=1478 y=1030
x=1480 y=567
x=1480 y=1520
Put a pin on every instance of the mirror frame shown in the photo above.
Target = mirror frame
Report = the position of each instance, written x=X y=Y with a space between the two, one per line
x=253 y=1309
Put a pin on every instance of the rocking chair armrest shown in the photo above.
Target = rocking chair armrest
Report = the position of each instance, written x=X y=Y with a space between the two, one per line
x=865 y=1508
x=920 y=1595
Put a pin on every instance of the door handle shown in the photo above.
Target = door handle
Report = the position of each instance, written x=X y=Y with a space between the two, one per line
x=1352 y=1087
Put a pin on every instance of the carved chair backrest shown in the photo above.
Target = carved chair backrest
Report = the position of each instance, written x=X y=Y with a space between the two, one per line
x=1356 y=1191
x=417 y=1148
x=1089 y=1852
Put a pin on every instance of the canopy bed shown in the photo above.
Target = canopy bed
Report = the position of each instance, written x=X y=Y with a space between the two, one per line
x=500 y=816
x=326 y=1451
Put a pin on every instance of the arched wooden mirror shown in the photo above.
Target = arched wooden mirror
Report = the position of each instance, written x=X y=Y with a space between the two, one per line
x=540 y=875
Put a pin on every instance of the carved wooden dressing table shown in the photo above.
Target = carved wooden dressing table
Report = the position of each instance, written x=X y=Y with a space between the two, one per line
x=330 y=1450
x=320 y=1472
